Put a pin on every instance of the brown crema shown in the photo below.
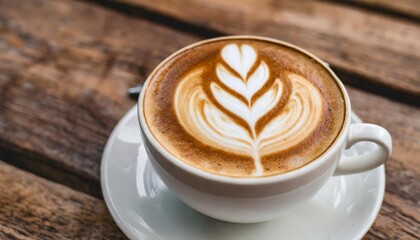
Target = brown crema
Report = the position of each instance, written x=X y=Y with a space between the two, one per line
x=243 y=107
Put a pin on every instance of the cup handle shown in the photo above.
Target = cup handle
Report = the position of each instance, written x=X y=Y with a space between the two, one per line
x=360 y=132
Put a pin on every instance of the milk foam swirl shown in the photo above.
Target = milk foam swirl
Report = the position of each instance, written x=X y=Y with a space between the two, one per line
x=209 y=118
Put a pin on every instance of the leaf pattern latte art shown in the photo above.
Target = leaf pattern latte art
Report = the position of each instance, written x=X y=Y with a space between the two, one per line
x=208 y=121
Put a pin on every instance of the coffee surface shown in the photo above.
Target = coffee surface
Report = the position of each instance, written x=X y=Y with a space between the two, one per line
x=244 y=107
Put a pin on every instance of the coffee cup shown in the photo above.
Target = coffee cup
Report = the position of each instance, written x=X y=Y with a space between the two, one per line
x=244 y=128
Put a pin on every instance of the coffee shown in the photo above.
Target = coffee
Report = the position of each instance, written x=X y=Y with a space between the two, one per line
x=243 y=107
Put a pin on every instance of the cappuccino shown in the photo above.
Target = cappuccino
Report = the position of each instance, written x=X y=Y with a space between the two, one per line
x=243 y=107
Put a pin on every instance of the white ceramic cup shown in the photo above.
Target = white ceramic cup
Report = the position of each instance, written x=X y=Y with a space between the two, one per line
x=249 y=200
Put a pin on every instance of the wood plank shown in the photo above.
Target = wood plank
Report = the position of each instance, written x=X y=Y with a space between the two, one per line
x=376 y=49
x=59 y=102
x=409 y=8
x=34 y=208
x=396 y=220
x=64 y=71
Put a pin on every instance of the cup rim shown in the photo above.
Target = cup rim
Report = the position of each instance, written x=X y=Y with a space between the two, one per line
x=295 y=173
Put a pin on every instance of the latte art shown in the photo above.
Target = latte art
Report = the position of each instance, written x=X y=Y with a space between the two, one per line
x=212 y=124
x=243 y=107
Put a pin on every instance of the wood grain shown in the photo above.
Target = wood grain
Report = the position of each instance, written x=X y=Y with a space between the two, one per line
x=33 y=208
x=377 y=49
x=64 y=71
x=410 y=8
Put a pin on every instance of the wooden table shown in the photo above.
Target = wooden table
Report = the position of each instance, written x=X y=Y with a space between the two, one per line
x=65 y=67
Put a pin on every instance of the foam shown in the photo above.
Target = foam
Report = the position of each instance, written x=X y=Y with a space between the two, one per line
x=244 y=108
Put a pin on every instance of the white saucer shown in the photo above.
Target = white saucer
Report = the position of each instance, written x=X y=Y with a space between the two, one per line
x=144 y=208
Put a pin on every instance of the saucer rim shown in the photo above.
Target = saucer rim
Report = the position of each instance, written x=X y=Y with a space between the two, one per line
x=119 y=220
